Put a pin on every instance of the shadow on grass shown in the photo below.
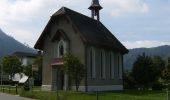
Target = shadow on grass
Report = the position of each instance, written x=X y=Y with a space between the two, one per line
x=125 y=92
x=134 y=92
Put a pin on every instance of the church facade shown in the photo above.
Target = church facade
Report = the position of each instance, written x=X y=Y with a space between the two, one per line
x=89 y=40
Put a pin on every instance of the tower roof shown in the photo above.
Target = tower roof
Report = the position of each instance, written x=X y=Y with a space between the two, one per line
x=95 y=5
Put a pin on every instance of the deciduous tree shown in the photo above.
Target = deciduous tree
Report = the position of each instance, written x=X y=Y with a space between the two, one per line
x=165 y=79
x=158 y=66
x=74 y=68
x=38 y=64
x=142 y=71
x=11 y=64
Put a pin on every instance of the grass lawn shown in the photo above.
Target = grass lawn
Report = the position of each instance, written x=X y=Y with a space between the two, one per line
x=119 y=95
x=122 y=95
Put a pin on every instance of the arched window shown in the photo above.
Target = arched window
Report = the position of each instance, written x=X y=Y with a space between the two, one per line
x=92 y=63
x=61 y=48
x=102 y=64
x=111 y=65
x=120 y=65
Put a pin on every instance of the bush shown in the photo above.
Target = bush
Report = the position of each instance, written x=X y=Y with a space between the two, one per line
x=26 y=87
x=128 y=81
x=157 y=86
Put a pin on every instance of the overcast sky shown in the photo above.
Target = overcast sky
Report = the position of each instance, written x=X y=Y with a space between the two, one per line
x=136 y=23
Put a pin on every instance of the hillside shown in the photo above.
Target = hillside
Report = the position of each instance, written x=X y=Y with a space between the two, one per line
x=9 y=45
x=129 y=59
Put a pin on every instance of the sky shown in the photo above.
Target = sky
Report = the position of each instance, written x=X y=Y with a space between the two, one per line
x=136 y=23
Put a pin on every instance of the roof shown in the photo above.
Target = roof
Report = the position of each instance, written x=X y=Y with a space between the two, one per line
x=93 y=32
x=57 y=61
x=58 y=34
x=25 y=54
x=95 y=5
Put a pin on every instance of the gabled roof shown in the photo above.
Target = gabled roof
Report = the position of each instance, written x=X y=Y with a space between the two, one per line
x=92 y=31
x=58 y=34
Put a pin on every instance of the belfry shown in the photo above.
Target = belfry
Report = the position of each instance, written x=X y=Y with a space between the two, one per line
x=95 y=8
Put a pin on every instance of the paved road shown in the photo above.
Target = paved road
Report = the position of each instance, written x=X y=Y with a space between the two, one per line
x=11 y=97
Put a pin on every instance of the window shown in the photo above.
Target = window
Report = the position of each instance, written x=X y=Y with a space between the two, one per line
x=102 y=64
x=61 y=48
x=120 y=61
x=111 y=65
x=118 y=66
x=92 y=63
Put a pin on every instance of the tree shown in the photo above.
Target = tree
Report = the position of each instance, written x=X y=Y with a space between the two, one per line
x=158 y=65
x=27 y=70
x=128 y=81
x=142 y=71
x=35 y=70
x=11 y=64
x=165 y=79
x=74 y=68
x=38 y=63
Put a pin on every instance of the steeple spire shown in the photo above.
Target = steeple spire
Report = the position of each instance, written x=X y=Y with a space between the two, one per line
x=95 y=8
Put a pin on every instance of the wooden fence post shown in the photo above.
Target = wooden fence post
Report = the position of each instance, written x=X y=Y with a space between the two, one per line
x=16 y=89
x=97 y=96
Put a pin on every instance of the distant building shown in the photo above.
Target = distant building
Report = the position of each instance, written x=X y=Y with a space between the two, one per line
x=89 y=40
x=26 y=58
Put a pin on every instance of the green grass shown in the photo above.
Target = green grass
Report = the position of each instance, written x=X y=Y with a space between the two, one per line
x=117 y=95
x=122 y=95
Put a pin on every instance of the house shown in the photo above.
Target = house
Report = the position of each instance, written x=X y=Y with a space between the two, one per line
x=26 y=58
x=89 y=40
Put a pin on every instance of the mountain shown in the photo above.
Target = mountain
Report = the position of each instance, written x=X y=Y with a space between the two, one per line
x=9 y=45
x=129 y=59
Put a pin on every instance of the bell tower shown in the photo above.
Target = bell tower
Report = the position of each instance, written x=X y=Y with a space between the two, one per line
x=95 y=8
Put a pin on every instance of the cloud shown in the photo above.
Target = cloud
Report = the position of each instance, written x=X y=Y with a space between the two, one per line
x=22 y=10
x=24 y=19
x=25 y=36
x=122 y=7
x=25 y=10
x=144 y=43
